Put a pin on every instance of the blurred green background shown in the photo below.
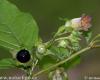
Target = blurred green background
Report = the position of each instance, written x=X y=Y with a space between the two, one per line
x=47 y=14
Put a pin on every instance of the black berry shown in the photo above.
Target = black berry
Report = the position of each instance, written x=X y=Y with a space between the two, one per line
x=23 y=56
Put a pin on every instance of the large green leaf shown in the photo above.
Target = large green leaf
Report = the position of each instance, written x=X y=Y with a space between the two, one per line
x=7 y=63
x=17 y=29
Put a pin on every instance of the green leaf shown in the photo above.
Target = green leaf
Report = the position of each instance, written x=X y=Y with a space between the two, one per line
x=63 y=43
x=7 y=63
x=17 y=29
x=60 y=52
x=63 y=29
x=72 y=63
x=76 y=46
x=75 y=36
x=76 y=33
x=87 y=35
x=46 y=62
x=60 y=30
x=69 y=29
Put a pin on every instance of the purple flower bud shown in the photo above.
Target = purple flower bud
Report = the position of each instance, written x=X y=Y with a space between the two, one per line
x=81 y=23
x=76 y=23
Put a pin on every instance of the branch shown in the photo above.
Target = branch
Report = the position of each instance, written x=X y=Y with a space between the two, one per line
x=97 y=36
x=63 y=61
x=96 y=46
x=62 y=38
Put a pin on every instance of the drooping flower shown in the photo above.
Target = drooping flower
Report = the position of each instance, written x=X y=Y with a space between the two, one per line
x=85 y=22
x=81 y=23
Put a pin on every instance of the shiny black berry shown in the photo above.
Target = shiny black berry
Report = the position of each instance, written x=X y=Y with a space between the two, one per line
x=23 y=56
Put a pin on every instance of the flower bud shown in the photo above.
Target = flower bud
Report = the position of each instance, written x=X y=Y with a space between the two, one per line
x=41 y=49
x=59 y=74
x=81 y=23
x=76 y=23
x=63 y=43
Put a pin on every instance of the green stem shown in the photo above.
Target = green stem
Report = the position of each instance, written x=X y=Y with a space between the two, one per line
x=61 y=62
x=97 y=36
x=96 y=46
x=49 y=43
x=94 y=42
x=31 y=71
x=61 y=34
x=62 y=38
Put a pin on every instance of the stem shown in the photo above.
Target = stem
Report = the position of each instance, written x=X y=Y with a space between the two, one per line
x=96 y=46
x=61 y=62
x=94 y=42
x=97 y=36
x=31 y=71
x=62 y=34
x=91 y=46
x=62 y=38
x=54 y=39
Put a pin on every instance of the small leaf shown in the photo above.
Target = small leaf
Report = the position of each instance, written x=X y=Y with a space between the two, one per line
x=87 y=35
x=76 y=46
x=60 y=30
x=17 y=29
x=69 y=29
x=72 y=63
x=75 y=36
x=63 y=29
x=7 y=63
x=76 y=33
x=46 y=62
x=59 y=52
x=63 y=43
